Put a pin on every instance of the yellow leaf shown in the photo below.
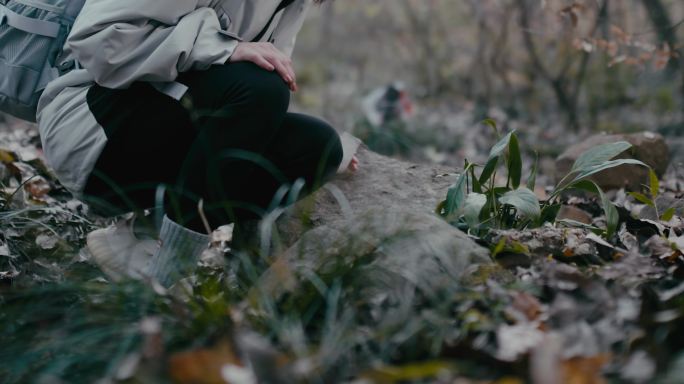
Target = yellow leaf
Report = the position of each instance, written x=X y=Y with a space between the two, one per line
x=6 y=157
x=410 y=372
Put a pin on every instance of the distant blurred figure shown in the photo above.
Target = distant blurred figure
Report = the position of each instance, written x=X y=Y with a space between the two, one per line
x=388 y=104
x=386 y=113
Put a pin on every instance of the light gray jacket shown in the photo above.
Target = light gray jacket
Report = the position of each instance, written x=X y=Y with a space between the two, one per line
x=118 y=42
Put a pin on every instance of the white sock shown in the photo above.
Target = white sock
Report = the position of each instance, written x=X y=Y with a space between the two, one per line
x=179 y=253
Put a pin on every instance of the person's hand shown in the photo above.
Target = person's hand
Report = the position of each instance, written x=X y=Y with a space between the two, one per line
x=268 y=57
x=354 y=164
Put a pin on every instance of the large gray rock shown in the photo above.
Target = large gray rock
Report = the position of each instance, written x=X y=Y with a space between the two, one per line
x=382 y=183
x=385 y=221
x=648 y=147
x=391 y=251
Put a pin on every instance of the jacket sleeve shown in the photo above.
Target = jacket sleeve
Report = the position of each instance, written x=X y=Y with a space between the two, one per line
x=285 y=33
x=122 y=41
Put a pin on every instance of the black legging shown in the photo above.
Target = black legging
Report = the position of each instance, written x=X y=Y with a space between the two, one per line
x=230 y=142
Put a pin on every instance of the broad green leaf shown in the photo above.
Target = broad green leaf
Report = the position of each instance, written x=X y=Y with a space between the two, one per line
x=590 y=171
x=599 y=155
x=514 y=162
x=472 y=208
x=489 y=169
x=654 y=184
x=642 y=198
x=456 y=195
x=501 y=146
x=524 y=200
x=585 y=185
x=500 y=191
x=532 y=179
x=669 y=214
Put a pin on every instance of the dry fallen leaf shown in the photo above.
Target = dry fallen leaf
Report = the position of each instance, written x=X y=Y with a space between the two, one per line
x=45 y=241
x=527 y=305
x=37 y=187
x=514 y=341
x=203 y=366
x=4 y=249
x=584 y=370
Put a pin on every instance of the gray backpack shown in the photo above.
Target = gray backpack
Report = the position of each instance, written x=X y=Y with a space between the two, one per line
x=32 y=33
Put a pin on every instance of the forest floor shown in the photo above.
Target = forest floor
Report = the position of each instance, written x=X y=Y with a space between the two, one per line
x=561 y=305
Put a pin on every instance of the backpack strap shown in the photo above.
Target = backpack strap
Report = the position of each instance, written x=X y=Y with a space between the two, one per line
x=73 y=8
x=283 y=4
x=27 y=24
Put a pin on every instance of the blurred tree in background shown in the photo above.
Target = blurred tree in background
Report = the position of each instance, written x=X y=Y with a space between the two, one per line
x=610 y=65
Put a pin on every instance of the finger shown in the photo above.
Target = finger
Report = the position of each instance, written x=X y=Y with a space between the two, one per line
x=281 y=68
x=353 y=166
x=284 y=60
x=287 y=63
x=262 y=62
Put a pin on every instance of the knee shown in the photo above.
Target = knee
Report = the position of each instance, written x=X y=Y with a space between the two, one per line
x=337 y=152
x=265 y=92
x=332 y=150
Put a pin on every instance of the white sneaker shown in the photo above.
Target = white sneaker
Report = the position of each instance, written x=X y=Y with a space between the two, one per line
x=119 y=253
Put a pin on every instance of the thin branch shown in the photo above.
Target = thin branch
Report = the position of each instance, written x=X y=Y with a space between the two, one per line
x=656 y=30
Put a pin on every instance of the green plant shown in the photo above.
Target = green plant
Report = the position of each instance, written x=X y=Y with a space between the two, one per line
x=651 y=199
x=477 y=203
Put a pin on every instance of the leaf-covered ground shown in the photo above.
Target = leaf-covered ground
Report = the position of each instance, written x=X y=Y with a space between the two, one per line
x=558 y=305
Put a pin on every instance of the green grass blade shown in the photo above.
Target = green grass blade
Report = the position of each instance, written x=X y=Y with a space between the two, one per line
x=532 y=178
x=514 y=162
x=654 y=184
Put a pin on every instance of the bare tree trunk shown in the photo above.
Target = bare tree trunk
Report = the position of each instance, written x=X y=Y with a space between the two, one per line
x=557 y=83
x=566 y=89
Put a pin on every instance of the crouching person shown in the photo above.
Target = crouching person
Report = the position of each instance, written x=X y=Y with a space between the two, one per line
x=182 y=102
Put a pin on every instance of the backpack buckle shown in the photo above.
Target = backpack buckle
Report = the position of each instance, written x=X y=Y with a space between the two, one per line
x=67 y=67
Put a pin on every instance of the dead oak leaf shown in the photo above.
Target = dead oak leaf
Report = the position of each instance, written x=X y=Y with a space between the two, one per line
x=203 y=366
x=584 y=370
